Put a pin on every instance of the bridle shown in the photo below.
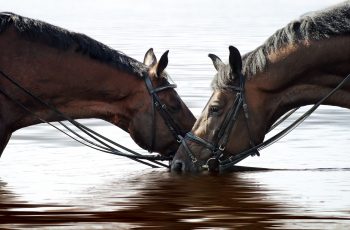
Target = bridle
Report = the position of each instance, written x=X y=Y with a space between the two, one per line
x=163 y=111
x=103 y=143
x=218 y=148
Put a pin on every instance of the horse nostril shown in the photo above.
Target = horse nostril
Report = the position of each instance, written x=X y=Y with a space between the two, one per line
x=177 y=166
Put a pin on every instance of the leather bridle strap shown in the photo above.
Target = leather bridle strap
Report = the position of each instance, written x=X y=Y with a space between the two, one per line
x=163 y=111
x=234 y=159
x=218 y=148
x=201 y=141
x=228 y=123
x=102 y=143
x=232 y=116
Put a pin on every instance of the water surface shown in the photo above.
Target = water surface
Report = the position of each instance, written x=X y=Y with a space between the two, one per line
x=49 y=182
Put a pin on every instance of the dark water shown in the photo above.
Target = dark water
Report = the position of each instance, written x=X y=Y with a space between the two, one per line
x=49 y=182
x=158 y=200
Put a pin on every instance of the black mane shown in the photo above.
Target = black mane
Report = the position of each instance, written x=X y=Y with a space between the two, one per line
x=38 y=31
x=314 y=26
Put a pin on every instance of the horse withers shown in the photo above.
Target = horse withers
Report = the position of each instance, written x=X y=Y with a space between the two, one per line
x=296 y=66
x=84 y=78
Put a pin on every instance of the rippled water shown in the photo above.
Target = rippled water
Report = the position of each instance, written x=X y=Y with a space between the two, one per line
x=49 y=182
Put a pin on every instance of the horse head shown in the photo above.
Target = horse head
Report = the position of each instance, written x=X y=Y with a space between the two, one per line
x=161 y=117
x=224 y=127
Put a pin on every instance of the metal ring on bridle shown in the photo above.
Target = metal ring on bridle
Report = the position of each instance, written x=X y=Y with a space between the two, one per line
x=234 y=159
x=217 y=149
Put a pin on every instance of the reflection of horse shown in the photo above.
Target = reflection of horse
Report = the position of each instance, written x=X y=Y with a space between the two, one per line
x=159 y=200
x=297 y=66
x=163 y=201
x=85 y=79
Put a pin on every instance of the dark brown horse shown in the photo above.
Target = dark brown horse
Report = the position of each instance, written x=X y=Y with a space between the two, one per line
x=297 y=66
x=84 y=79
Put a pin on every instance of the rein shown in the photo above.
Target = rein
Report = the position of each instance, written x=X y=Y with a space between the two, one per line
x=215 y=163
x=103 y=141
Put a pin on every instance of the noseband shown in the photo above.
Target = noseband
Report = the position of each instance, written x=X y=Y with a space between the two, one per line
x=218 y=149
x=163 y=111
x=215 y=162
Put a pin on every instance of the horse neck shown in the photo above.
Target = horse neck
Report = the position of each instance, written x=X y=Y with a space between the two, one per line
x=76 y=84
x=298 y=76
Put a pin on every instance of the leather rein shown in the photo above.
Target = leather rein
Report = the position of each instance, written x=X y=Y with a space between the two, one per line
x=101 y=142
x=215 y=162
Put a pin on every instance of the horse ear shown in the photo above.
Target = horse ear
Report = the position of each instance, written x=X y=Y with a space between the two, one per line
x=163 y=62
x=235 y=60
x=216 y=61
x=150 y=59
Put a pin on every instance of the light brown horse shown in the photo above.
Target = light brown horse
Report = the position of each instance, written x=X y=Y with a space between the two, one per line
x=297 y=66
x=84 y=79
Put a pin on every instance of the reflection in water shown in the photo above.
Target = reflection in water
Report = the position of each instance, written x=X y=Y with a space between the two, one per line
x=49 y=181
x=171 y=201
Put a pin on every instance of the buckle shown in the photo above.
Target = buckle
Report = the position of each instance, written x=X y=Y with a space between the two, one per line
x=213 y=164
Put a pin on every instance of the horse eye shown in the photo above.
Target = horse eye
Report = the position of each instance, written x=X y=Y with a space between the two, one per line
x=214 y=110
x=174 y=107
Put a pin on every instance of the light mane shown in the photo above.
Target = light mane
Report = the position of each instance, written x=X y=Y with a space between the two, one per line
x=314 y=26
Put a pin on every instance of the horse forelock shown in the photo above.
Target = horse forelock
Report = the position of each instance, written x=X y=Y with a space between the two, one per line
x=313 y=26
x=223 y=78
x=60 y=38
